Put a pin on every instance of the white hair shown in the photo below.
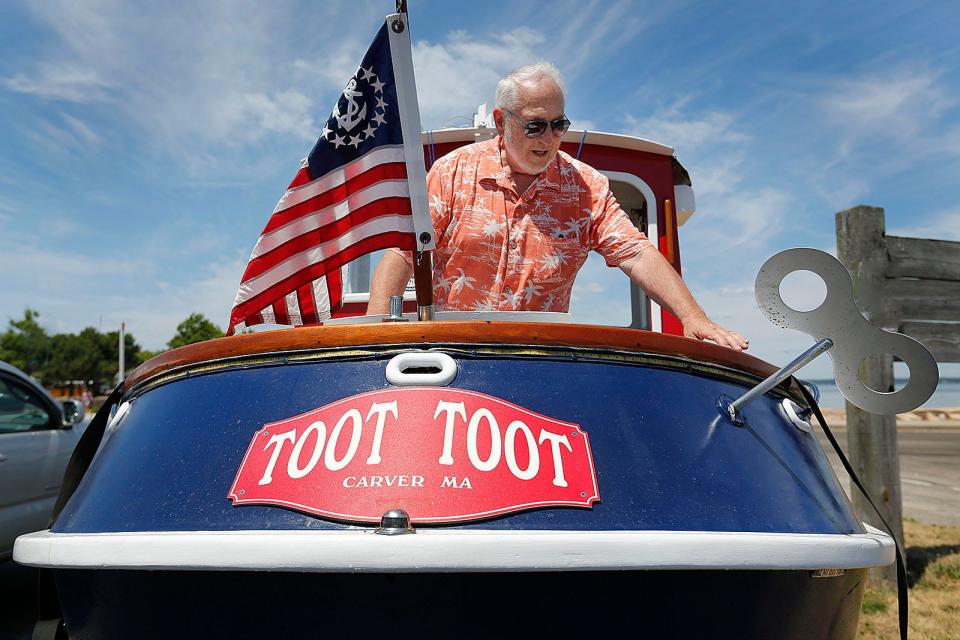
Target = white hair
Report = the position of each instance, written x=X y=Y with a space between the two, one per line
x=507 y=88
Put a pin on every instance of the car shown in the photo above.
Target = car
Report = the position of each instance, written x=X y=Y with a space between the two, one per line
x=37 y=435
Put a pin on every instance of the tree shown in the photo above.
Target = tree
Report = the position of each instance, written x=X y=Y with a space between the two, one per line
x=69 y=357
x=25 y=344
x=145 y=355
x=110 y=344
x=196 y=328
x=88 y=355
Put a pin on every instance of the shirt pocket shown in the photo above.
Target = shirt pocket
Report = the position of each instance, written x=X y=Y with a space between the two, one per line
x=559 y=256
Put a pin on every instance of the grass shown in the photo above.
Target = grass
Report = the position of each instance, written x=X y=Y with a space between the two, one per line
x=933 y=567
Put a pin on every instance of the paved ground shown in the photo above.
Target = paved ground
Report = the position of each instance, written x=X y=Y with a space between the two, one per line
x=929 y=472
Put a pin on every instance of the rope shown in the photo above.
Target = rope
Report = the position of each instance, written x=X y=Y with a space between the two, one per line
x=580 y=150
x=431 y=149
x=902 y=598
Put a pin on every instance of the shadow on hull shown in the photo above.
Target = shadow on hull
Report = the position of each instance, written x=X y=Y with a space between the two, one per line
x=651 y=604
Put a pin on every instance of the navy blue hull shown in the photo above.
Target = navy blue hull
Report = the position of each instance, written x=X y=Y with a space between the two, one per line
x=763 y=605
x=665 y=460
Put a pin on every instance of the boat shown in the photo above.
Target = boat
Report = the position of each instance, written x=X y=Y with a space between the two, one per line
x=479 y=474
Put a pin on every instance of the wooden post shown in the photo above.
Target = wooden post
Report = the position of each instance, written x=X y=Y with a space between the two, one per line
x=872 y=439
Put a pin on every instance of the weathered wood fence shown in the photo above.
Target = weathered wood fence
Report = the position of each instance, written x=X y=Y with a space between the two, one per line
x=910 y=285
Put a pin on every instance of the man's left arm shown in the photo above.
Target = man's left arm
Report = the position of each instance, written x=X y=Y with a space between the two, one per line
x=652 y=273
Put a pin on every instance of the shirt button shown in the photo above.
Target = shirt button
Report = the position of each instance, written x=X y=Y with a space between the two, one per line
x=513 y=244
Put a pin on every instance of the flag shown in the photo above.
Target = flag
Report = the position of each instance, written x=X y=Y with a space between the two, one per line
x=351 y=196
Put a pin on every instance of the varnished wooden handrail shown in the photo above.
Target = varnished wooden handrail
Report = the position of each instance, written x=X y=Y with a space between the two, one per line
x=420 y=333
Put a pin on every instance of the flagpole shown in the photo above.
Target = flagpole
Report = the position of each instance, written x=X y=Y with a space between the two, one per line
x=402 y=58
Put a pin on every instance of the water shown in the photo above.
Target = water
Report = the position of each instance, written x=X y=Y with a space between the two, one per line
x=946 y=395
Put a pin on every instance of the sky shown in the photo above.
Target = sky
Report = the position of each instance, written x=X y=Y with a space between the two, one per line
x=144 y=145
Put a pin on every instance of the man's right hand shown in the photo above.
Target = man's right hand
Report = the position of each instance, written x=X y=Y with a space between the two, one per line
x=390 y=278
x=703 y=328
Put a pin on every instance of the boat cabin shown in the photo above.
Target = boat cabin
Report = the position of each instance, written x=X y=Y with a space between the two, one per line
x=650 y=184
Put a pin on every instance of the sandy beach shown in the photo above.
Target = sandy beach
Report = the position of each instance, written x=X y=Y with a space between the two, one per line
x=946 y=418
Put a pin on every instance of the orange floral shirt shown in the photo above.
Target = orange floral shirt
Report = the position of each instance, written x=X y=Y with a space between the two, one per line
x=502 y=251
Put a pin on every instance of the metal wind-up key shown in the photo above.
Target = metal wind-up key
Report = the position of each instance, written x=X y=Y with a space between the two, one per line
x=840 y=328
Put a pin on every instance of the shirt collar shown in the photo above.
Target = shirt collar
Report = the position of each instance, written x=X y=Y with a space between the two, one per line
x=499 y=173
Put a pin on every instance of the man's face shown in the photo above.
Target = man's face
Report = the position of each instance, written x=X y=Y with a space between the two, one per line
x=541 y=100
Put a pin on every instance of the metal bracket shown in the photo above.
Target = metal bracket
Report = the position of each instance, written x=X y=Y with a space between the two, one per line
x=396 y=310
x=733 y=408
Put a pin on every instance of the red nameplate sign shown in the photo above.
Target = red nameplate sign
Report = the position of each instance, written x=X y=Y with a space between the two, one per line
x=440 y=454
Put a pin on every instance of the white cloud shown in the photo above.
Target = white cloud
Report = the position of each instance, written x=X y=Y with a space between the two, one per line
x=745 y=219
x=690 y=133
x=716 y=175
x=900 y=104
x=840 y=188
x=442 y=68
x=601 y=295
x=53 y=139
x=730 y=214
x=39 y=266
x=199 y=86
x=152 y=315
x=55 y=81
x=289 y=112
x=69 y=137
x=581 y=123
x=209 y=86
x=941 y=226
x=856 y=133
x=7 y=210
x=456 y=75
x=594 y=29
x=64 y=226
x=73 y=291
x=885 y=123
x=709 y=143
x=82 y=130
x=33 y=270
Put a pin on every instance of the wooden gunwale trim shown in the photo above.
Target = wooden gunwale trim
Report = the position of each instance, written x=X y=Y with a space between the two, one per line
x=420 y=333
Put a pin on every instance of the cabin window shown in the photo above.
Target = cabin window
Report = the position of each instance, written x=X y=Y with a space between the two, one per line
x=356 y=286
x=601 y=295
x=359 y=271
x=605 y=296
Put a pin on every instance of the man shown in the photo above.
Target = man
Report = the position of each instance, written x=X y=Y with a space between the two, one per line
x=515 y=218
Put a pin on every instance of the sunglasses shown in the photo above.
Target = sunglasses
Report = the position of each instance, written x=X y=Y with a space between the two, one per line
x=536 y=128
